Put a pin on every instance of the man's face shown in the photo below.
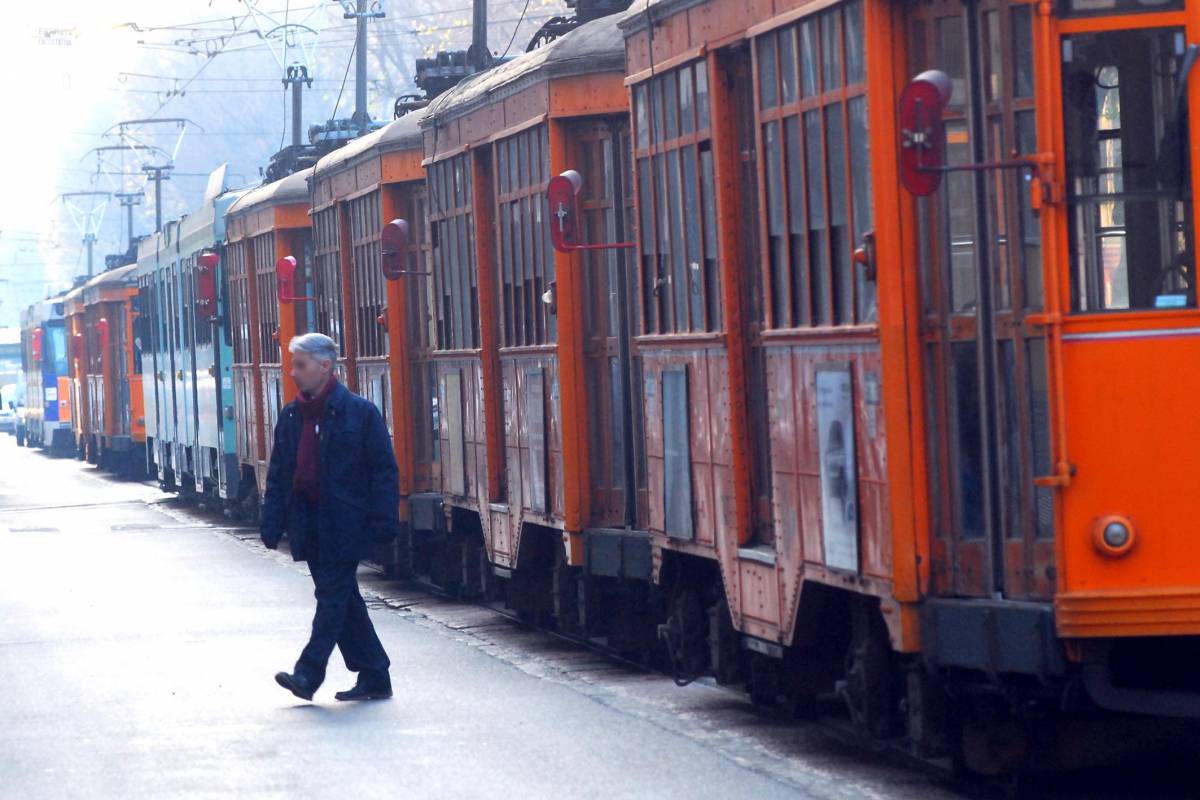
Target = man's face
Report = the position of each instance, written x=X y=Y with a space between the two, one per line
x=309 y=373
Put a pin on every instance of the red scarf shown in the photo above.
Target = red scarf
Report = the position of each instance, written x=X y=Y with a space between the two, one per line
x=307 y=478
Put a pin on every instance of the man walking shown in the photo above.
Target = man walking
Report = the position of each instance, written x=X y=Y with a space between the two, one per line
x=333 y=486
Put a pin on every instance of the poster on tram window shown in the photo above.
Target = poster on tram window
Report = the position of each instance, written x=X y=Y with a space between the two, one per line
x=839 y=485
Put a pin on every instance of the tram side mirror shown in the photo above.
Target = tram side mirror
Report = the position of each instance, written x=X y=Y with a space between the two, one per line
x=206 y=283
x=285 y=277
x=77 y=345
x=564 y=210
x=37 y=345
x=393 y=244
x=923 y=132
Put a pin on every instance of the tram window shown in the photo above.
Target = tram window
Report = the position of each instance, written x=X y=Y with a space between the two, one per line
x=327 y=276
x=1128 y=171
x=1076 y=8
x=58 y=349
x=675 y=181
x=526 y=260
x=268 y=304
x=815 y=170
x=451 y=218
x=367 y=277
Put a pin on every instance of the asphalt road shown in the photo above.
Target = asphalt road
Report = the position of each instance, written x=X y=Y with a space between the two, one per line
x=139 y=637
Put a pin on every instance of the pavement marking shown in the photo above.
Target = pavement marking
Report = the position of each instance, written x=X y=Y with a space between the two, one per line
x=33 y=529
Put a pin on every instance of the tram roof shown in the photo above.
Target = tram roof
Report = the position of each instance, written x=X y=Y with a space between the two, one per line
x=400 y=134
x=112 y=277
x=639 y=15
x=596 y=46
x=285 y=191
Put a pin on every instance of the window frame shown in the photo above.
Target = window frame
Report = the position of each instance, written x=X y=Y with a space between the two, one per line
x=807 y=285
x=678 y=266
x=455 y=270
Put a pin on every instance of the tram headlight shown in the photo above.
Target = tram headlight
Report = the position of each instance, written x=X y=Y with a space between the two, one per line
x=1113 y=535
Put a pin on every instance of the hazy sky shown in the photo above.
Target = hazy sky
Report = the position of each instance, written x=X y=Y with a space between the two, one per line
x=72 y=69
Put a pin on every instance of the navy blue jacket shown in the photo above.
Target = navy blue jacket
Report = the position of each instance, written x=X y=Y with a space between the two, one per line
x=359 y=485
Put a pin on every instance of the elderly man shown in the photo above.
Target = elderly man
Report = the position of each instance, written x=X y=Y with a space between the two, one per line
x=333 y=486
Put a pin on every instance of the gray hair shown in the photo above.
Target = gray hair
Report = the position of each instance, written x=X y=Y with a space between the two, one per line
x=317 y=345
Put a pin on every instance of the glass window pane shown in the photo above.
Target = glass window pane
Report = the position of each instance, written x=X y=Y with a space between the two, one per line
x=860 y=178
x=787 y=65
x=670 y=99
x=831 y=51
x=691 y=221
x=656 y=109
x=1124 y=132
x=840 y=243
x=797 y=237
x=818 y=258
x=711 y=288
x=993 y=67
x=687 y=123
x=777 y=241
x=950 y=57
x=808 y=57
x=768 y=69
x=856 y=67
x=641 y=119
x=1021 y=21
x=701 y=72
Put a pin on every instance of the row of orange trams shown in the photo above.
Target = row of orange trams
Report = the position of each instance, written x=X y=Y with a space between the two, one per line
x=834 y=349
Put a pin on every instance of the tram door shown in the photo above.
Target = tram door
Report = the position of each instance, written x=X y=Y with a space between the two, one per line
x=614 y=378
x=980 y=259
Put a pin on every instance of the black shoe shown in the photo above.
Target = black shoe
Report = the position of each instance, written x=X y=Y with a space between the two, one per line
x=364 y=690
x=294 y=684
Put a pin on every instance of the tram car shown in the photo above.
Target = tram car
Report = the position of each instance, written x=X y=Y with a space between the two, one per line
x=44 y=356
x=828 y=348
x=77 y=364
x=110 y=381
x=382 y=323
x=266 y=226
x=187 y=353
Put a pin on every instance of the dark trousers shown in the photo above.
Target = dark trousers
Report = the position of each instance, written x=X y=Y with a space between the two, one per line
x=341 y=619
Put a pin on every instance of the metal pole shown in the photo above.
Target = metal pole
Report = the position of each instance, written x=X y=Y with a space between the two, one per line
x=296 y=115
x=158 y=201
x=89 y=240
x=481 y=58
x=360 y=69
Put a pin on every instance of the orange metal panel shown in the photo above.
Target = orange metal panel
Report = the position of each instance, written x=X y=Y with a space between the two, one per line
x=726 y=169
x=292 y=216
x=284 y=245
x=899 y=316
x=402 y=166
x=571 y=364
x=594 y=93
x=399 y=361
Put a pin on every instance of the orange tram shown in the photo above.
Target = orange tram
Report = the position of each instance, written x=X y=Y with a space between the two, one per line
x=828 y=348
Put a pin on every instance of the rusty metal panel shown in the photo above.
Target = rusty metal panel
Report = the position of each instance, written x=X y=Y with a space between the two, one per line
x=839 y=477
x=456 y=480
x=677 y=455
x=535 y=417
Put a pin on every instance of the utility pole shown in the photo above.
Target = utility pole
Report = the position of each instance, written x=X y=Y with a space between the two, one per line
x=128 y=201
x=158 y=175
x=88 y=221
x=478 y=55
x=297 y=77
x=89 y=240
x=361 y=118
